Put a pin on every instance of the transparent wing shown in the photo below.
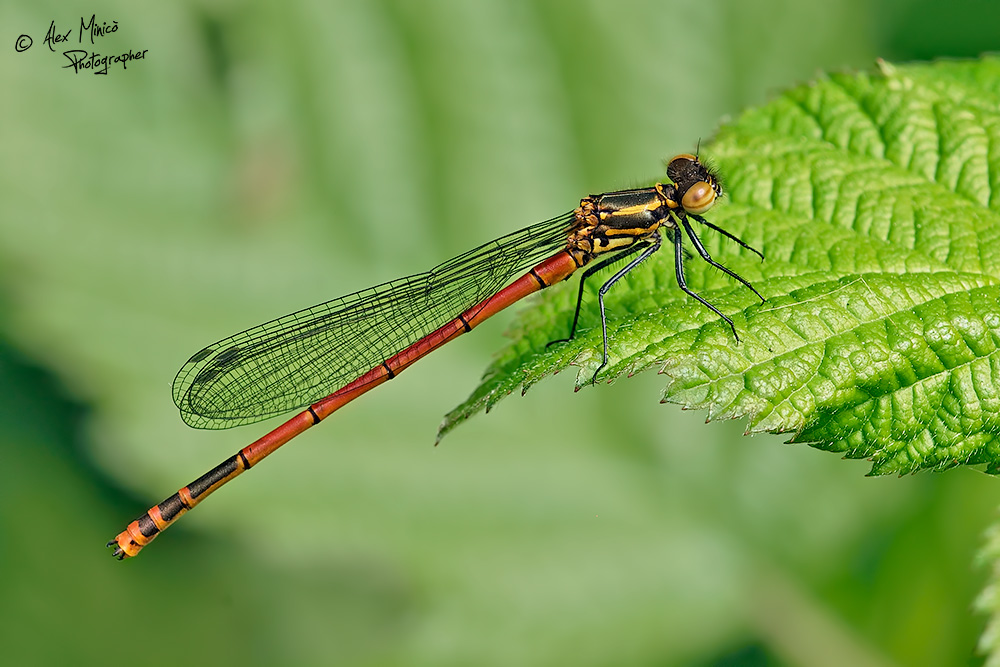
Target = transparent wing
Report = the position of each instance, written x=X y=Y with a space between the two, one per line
x=297 y=359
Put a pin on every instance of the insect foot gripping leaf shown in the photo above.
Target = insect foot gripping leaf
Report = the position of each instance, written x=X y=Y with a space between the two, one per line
x=875 y=199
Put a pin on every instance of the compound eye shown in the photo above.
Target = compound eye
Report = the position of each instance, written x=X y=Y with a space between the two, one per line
x=679 y=165
x=698 y=198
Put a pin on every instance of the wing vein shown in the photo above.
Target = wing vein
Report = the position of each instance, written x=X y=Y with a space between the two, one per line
x=295 y=360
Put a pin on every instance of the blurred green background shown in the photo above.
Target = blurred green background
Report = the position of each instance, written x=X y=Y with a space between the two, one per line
x=268 y=156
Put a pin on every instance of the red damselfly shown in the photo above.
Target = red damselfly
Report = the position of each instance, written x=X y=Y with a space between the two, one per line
x=342 y=348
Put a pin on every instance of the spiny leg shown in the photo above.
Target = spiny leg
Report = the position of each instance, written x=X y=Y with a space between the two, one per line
x=708 y=258
x=729 y=236
x=604 y=263
x=682 y=283
x=654 y=245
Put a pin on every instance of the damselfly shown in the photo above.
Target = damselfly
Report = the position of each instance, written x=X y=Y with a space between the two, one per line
x=342 y=348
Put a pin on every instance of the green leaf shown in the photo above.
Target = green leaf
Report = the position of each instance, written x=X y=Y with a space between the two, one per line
x=874 y=198
x=988 y=602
